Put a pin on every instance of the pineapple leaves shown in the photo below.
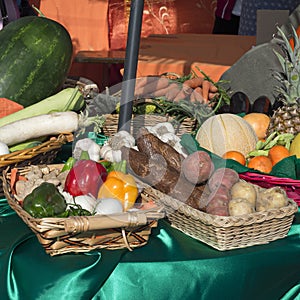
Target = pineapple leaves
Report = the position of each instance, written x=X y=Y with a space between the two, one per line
x=290 y=64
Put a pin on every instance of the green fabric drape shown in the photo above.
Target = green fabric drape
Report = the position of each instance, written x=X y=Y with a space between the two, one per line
x=171 y=266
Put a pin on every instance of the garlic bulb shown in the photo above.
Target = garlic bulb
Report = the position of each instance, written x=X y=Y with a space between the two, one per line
x=107 y=153
x=111 y=150
x=163 y=128
x=120 y=139
x=88 y=145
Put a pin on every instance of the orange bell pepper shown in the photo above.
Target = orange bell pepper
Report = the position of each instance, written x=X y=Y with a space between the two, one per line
x=120 y=186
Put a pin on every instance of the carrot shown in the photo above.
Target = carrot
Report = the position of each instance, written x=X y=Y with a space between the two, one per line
x=197 y=96
x=142 y=81
x=8 y=107
x=14 y=177
x=159 y=93
x=172 y=92
x=194 y=82
x=185 y=92
x=205 y=89
x=212 y=95
x=153 y=85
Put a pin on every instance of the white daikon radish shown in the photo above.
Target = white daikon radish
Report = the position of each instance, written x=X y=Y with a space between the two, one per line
x=46 y=124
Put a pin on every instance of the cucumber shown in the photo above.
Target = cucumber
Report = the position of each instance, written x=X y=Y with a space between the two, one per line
x=35 y=58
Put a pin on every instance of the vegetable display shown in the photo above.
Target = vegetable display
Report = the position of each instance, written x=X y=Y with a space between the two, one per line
x=35 y=57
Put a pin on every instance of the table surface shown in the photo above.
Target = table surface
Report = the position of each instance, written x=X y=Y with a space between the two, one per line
x=104 y=56
x=171 y=266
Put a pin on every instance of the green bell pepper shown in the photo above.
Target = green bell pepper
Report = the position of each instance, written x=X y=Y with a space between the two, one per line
x=45 y=201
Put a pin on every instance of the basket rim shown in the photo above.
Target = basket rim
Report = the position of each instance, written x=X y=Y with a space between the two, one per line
x=57 y=223
x=225 y=221
x=52 y=143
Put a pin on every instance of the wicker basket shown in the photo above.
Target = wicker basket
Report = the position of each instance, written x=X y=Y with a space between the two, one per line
x=110 y=127
x=291 y=186
x=82 y=234
x=45 y=153
x=226 y=233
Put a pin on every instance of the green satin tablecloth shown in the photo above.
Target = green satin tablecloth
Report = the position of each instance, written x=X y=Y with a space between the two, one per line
x=171 y=266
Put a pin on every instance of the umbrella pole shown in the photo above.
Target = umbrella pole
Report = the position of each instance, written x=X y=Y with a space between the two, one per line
x=130 y=65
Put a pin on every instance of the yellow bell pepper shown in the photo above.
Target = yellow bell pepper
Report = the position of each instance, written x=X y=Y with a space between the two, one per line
x=121 y=186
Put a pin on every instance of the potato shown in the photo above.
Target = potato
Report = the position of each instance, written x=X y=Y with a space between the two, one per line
x=222 y=191
x=218 y=200
x=240 y=206
x=274 y=197
x=245 y=190
x=197 y=167
x=218 y=206
x=223 y=176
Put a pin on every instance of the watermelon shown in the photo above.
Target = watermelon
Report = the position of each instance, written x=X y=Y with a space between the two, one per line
x=35 y=58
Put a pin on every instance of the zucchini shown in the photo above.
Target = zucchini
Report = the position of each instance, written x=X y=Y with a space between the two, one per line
x=35 y=58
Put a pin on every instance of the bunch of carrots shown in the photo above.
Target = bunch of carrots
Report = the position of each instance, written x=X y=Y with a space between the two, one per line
x=195 y=89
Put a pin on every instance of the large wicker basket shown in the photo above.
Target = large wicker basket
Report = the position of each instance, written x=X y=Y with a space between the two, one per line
x=85 y=233
x=226 y=233
x=110 y=126
x=45 y=153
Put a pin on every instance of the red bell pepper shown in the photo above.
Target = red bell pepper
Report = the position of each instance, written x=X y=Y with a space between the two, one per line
x=85 y=177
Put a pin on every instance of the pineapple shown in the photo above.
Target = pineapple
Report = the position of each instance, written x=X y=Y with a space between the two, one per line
x=286 y=118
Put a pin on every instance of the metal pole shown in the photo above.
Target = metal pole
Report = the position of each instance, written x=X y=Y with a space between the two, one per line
x=130 y=65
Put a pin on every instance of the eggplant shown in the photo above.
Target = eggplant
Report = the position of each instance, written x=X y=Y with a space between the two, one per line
x=262 y=105
x=239 y=103
x=225 y=108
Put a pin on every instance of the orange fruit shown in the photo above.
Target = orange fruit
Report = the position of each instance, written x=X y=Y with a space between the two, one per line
x=235 y=155
x=277 y=153
x=261 y=163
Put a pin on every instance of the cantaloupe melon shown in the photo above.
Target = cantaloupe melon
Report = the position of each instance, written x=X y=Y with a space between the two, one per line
x=226 y=132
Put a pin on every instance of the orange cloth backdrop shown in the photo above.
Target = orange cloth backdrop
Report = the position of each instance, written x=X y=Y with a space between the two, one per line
x=102 y=24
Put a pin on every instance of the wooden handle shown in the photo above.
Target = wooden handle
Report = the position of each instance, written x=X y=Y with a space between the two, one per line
x=79 y=224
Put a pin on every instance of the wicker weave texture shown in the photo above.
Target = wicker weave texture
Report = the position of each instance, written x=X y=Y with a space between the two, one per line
x=45 y=153
x=86 y=232
x=226 y=233
x=138 y=121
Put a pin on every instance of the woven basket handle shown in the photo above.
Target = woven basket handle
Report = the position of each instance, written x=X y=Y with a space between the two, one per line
x=79 y=224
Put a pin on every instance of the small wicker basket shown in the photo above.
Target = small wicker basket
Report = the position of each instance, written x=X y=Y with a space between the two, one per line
x=110 y=126
x=85 y=233
x=226 y=233
x=45 y=153
x=291 y=186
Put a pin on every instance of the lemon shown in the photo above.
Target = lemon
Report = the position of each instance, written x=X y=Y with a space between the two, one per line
x=295 y=146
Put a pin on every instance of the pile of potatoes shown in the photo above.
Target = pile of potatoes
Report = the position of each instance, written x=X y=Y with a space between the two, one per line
x=231 y=196
x=228 y=195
